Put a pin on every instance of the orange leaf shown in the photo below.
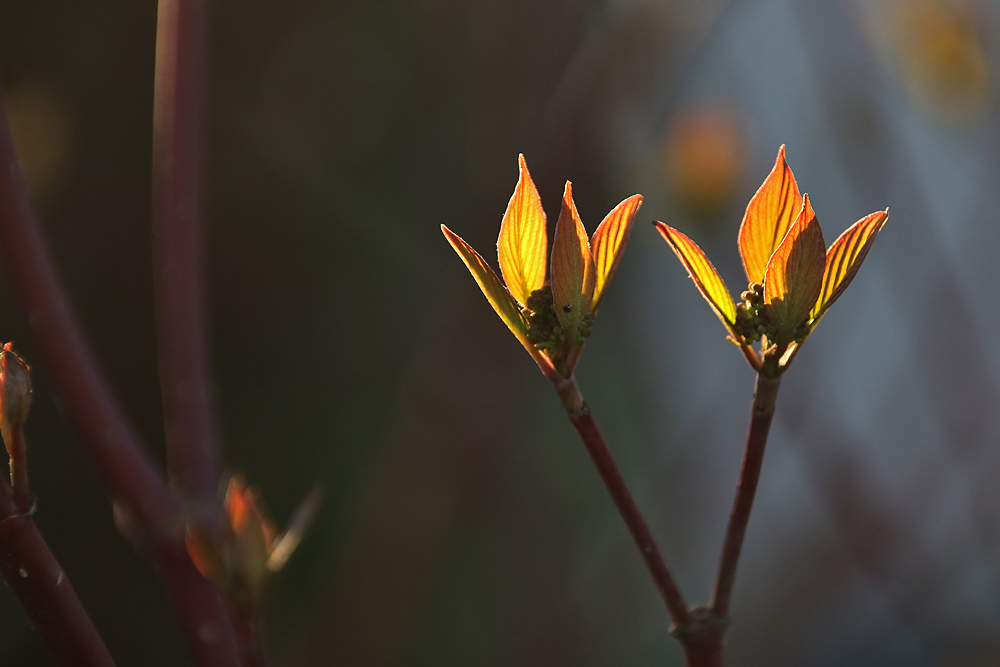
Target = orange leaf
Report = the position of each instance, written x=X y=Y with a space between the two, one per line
x=844 y=258
x=495 y=292
x=203 y=554
x=573 y=274
x=608 y=244
x=705 y=277
x=768 y=217
x=794 y=275
x=522 y=245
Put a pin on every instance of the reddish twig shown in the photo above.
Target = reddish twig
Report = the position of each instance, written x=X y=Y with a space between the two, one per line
x=113 y=447
x=579 y=415
x=208 y=632
x=192 y=453
x=765 y=393
x=706 y=653
x=43 y=589
x=247 y=627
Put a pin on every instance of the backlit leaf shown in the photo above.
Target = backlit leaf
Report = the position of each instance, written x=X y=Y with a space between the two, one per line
x=608 y=244
x=705 y=277
x=522 y=246
x=495 y=292
x=573 y=275
x=844 y=258
x=794 y=275
x=768 y=216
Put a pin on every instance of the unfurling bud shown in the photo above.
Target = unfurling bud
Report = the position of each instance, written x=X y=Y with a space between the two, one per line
x=243 y=555
x=15 y=401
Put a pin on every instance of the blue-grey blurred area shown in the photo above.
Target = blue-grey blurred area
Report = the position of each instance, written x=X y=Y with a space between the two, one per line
x=463 y=523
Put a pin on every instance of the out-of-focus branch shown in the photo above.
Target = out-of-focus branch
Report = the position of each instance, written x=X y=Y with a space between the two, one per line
x=43 y=589
x=192 y=452
x=113 y=448
x=111 y=445
x=204 y=619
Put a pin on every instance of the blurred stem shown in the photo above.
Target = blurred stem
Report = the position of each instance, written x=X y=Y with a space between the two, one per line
x=579 y=415
x=43 y=589
x=190 y=429
x=207 y=629
x=108 y=439
x=247 y=625
x=765 y=394
x=706 y=652
x=113 y=447
x=192 y=453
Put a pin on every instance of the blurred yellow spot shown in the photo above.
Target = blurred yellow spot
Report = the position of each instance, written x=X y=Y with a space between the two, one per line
x=704 y=159
x=941 y=56
x=39 y=126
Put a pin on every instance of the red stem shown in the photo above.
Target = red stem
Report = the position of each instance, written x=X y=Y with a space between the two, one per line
x=704 y=653
x=579 y=415
x=113 y=448
x=191 y=435
x=247 y=625
x=203 y=616
x=765 y=394
x=192 y=453
x=43 y=589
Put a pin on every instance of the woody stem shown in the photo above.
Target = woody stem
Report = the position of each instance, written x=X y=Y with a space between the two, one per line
x=113 y=447
x=192 y=453
x=247 y=627
x=765 y=394
x=43 y=589
x=579 y=414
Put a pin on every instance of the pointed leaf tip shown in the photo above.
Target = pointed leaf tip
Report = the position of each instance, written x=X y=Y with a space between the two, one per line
x=794 y=276
x=769 y=214
x=498 y=296
x=703 y=273
x=523 y=242
x=573 y=274
x=844 y=258
x=608 y=244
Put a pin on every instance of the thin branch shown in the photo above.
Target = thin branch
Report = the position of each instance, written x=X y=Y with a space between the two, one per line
x=704 y=653
x=579 y=415
x=192 y=451
x=203 y=617
x=765 y=394
x=248 y=632
x=112 y=446
x=43 y=589
x=191 y=436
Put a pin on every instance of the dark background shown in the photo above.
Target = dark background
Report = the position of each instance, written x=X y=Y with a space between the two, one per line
x=463 y=523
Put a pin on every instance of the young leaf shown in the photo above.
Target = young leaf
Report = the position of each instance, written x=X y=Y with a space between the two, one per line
x=768 y=217
x=572 y=266
x=608 y=244
x=844 y=258
x=705 y=277
x=495 y=292
x=794 y=275
x=523 y=241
